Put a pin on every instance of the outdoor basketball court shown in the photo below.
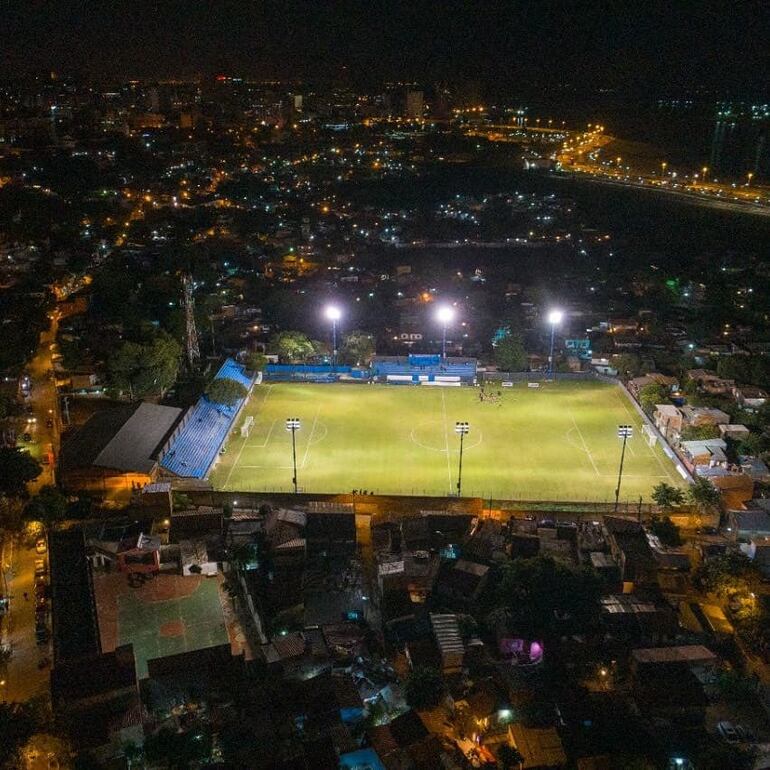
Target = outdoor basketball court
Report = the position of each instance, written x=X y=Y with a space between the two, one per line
x=556 y=442
x=166 y=615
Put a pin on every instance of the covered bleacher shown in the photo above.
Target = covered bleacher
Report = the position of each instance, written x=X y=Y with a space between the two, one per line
x=204 y=429
x=422 y=368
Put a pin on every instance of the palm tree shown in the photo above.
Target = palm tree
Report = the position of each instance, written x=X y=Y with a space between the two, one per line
x=510 y=756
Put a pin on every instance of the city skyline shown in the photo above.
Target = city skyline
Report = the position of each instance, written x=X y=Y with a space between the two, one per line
x=712 y=44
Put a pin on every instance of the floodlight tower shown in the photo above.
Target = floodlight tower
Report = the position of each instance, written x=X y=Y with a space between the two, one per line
x=293 y=425
x=192 y=348
x=554 y=318
x=625 y=432
x=333 y=313
x=461 y=429
x=445 y=315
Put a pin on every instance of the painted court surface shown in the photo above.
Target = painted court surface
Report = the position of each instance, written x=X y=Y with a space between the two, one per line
x=166 y=615
x=556 y=442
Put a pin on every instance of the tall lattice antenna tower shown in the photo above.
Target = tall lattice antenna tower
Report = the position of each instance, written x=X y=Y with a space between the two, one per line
x=191 y=333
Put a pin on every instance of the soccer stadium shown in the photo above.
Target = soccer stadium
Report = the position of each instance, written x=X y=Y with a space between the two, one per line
x=391 y=429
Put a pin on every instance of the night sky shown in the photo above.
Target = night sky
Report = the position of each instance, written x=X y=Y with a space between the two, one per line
x=649 y=44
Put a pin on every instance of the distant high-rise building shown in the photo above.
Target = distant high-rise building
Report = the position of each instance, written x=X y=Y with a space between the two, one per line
x=153 y=99
x=413 y=104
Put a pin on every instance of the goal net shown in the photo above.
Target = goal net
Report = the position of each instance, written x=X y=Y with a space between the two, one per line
x=649 y=434
x=247 y=425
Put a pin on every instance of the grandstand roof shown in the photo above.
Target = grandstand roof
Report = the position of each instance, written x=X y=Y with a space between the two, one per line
x=124 y=438
x=133 y=446
x=193 y=450
x=406 y=360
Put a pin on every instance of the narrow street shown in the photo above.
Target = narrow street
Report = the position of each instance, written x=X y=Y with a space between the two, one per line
x=44 y=404
x=23 y=677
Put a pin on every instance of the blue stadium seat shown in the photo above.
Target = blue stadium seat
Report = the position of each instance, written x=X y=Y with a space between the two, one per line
x=206 y=427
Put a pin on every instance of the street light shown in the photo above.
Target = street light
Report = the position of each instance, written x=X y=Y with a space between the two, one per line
x=625 y=432
x=293 y=425
x=445 y=315
x=749 y=176
x=554 y=318
x=461 y=429
x=333 y=313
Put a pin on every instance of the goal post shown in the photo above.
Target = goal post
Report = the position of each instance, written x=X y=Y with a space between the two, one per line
x=247 y=425
x=650 y=435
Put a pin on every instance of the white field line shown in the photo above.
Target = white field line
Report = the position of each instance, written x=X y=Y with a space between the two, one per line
x=245 y=439
x=310 y=437
x=446 y=438
x=585 y=446
x=267 y=438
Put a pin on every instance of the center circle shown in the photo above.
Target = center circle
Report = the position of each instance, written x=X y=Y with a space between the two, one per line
x=433 y=434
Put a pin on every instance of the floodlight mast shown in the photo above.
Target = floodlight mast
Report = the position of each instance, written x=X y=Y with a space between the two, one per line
x=293 y=424
x=625 y=432
x=461 y=429
x=554 y=318
x=445 y=315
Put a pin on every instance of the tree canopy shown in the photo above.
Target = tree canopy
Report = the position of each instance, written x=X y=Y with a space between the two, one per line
x=667 y=496
x=541 y=597
x=703 y=494
x=48 y=506
x=726 y=574
x=510 y=355
x=225 y=390
x=18 y=723
x=424 y=688
x=666 y=531
x=652 y=394
x=293 y=347
x=145 y=369
x=357 y=349
x=16 y=469
x=256 y=362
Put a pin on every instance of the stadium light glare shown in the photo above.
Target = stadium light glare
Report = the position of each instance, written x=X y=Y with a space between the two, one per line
x=333 y=313
x=555 y=317
x=445 y=314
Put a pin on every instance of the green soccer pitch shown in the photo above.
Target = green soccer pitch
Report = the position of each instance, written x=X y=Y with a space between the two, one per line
x=556 y=442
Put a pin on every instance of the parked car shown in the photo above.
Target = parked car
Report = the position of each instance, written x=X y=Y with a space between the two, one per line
x=40 y=545
x=727 y=731
x=707 y=531
x=39 y=567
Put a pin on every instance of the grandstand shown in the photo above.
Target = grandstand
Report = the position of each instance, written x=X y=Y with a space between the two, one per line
x=423 y=369
x=204 y=429
x=312 y=373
